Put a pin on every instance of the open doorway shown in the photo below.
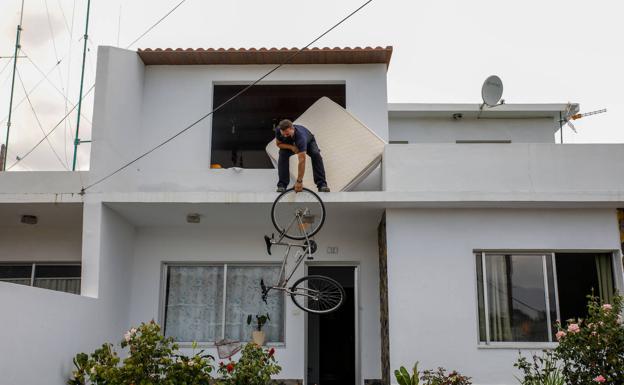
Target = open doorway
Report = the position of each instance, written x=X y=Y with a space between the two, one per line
x=242 y=128
x=331 y=348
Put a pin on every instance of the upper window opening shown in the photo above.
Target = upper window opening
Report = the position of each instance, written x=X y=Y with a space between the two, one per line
x=242 y=128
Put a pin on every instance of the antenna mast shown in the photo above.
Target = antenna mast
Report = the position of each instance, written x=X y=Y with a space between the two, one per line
x=17 y=47
x=84 y=55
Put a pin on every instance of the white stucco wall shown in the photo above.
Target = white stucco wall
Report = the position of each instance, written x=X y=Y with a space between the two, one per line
x=56 y=237
x=41 y=244
x=116 y=116
x=447 y=130
x=432 y=278
x=240 y=240
x=555 y=169
x=137 y=107
x=42 y=330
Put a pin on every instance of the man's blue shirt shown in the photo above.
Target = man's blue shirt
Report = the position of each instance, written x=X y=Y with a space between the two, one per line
x=303 y=137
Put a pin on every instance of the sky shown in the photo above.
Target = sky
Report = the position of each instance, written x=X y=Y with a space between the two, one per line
x=545 y=52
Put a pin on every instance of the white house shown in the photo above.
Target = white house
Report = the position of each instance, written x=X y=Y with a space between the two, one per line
x=464 y=195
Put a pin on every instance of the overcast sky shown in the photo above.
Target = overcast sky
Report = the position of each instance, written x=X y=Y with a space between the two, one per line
x=545 y=51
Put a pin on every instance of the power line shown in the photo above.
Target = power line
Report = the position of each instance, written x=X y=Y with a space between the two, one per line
x=155 y=24
x=39 y=122
x=288 y=59
x=49 y=132
x=88 y=91
x=52 y=84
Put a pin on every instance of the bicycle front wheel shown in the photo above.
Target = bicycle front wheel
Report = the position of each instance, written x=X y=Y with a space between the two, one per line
x=298 y=215
x=317 y=294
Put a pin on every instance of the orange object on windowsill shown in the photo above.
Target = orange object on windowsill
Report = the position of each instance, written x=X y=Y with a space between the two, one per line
x=215 y=165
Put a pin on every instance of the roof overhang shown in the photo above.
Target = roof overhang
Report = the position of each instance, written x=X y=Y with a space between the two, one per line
x=473 y=110
x=242 y=56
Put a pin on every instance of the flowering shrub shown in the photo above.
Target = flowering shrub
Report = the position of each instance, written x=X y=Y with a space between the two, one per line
x=542 y=371
x=592 y=350
x=151 y=359
x=440 y=377
x=430 y=377
x=255 y=367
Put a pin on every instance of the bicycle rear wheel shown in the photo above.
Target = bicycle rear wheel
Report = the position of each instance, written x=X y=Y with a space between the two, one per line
x=317 y=294
x=298 y=215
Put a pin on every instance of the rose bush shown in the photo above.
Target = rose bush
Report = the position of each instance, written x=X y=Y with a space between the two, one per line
x=255 y=367
x=591 y=350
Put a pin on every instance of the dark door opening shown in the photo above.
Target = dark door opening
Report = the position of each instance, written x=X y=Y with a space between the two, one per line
x=242 y=128
x=331 y=337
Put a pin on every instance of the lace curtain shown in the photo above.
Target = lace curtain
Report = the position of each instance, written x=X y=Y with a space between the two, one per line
x=194 y=309
x=194 y=303
x=244 y=298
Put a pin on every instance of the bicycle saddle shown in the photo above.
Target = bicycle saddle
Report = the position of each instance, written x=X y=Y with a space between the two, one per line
x=268 y=242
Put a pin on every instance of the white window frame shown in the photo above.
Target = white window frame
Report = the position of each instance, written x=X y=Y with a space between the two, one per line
x=211 y=344
x=486 y=315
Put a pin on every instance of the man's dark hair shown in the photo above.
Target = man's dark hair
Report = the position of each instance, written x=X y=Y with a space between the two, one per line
x=285 y=124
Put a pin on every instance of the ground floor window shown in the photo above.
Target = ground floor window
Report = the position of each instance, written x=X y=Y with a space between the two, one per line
x=521 y=295
x=206 y=303
x=58 y=276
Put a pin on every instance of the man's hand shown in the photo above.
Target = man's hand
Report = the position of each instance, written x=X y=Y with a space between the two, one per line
x=298 y=186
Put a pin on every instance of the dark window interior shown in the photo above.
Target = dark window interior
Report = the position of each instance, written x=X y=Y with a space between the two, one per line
x=15 y=271
x=242 y=128
x=331 y=337
x=57 y=271
x=577 y=277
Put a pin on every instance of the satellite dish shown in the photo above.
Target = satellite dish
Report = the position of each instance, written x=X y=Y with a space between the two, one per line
x=492 y=91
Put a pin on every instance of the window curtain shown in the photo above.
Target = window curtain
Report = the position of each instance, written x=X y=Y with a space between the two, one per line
x=68 y=285
x=605 y=278
x=498 y=297
x=244 y=297
x=194 y=303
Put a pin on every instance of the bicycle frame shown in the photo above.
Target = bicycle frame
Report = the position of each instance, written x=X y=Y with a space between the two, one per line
x=307 y=249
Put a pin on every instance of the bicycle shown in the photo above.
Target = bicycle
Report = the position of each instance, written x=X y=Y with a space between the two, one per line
x=313 y=293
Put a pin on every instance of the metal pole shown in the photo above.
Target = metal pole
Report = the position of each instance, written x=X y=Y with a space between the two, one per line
x=84 y=56
x=2 y=156
x=17 y=47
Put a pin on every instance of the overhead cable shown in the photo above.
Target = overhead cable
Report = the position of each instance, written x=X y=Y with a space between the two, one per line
x=288 y=59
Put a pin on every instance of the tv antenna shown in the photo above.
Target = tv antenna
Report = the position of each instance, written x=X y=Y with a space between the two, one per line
x=571 y=113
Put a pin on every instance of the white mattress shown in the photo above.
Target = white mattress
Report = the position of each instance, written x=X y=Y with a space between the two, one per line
x=350 y=150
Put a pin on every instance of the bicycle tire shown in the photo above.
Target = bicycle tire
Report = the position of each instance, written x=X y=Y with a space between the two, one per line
x=336 y=290
x=283 y=231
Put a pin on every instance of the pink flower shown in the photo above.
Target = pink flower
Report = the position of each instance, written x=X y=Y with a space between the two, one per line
x=560 y=334
x=606 y=307
x=600 y=379
x=573 y=328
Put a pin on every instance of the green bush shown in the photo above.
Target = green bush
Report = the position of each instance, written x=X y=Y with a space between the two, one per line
x=544 y=370
x=255 y=367
x=440 y=377
x=152 y=359
x=430 y=377
x=591 y=350
x=403 y=377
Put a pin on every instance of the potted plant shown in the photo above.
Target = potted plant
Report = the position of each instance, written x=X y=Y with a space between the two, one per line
x=258 y=335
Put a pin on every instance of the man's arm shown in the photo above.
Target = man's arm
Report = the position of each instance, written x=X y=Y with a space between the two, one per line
x=300 y=171
x=285 y=146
